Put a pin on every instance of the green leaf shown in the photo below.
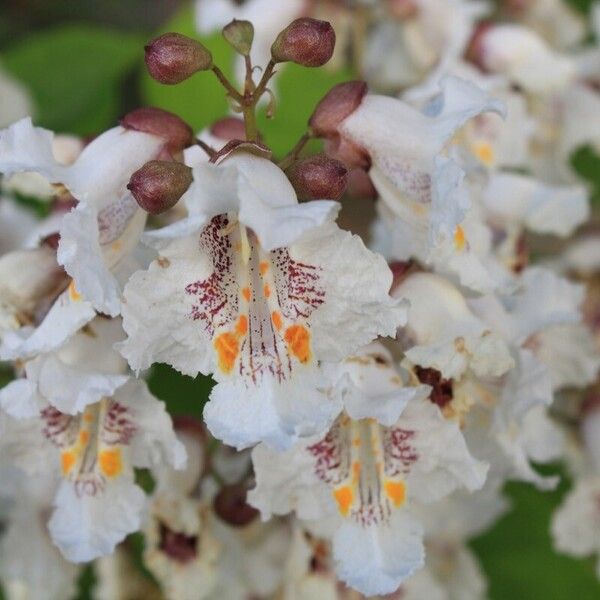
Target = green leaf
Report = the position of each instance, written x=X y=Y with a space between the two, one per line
x=200 y=100
x=517 y=554
x=74 y=74
x=298 y=91
x=183 y=395
x=586 y=163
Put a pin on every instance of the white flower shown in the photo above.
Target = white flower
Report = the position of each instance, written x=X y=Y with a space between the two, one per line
x=447 y=336
x=16 y=223
x=425 y=200
x=15 y=101
x=400 y=53
x=517 y=201
x=106 y=224
x=521 y=55
x=30 y=564
x=97 y=504
x=30 y=280
x=256 y=289
x=576 y=523
x=559 y=24
x=181 y=550
x=80 y=372
x=362 y=476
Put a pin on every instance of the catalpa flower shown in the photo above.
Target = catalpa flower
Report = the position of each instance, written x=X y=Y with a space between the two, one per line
x=523 y=57
x=97 y=504
x=418 y=37
x=256 y=289
x=424 y=200
x=363 y=475
x=106 y=223
x=442 y=333
x=80 y=372
x=31 y=566
x=575 y=524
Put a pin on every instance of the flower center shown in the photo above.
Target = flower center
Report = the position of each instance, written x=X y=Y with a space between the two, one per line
x=255 y=304
x=91 y=444
x=366 y=465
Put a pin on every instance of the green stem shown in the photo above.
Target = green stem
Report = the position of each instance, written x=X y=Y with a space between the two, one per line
x=293 y=154
x=227 y=85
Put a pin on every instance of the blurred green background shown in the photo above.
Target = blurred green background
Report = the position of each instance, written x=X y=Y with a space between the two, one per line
x=83 y=64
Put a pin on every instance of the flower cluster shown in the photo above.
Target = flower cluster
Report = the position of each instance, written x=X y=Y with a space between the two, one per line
x=385 y=356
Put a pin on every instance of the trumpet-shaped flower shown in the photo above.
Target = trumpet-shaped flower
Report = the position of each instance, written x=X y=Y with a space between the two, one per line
x=256 y=289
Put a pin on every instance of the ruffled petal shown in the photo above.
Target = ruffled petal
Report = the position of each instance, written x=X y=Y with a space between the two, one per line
x=85 y=527
x=375 y=560
x=276 y=413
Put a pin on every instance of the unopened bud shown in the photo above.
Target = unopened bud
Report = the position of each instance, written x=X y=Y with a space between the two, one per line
x=229 y=128
x=360 y=185
x=307 y=42
x=318 y=177
x=340 y=102
x=177 y=133
x=158 y=185
x=231 y=506
x=475 y=52
x=240 y=34
x=172 y=58
x=403 y=9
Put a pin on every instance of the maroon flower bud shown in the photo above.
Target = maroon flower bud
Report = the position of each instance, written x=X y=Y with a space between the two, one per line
x=347 y=152
x=360 y=185
x=307 y=42
x=231 y=506
x=158 y=185
x=318 y=177
x=51 y=241
x=475 y=52
x=172 y=58
x=240 y=34
x=403 y=9
x=229 y=128
x=156 y=121
x=340 y=102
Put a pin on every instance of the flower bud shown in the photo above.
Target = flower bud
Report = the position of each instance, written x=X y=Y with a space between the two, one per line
x=240 y=34
x=360 y=185
x=156 y=121
x=318 y=177
x=172 y=58
x=229 y=128
x=340 y=102
x=403 y=9
x=231 y=506
x=307 y=42
x=158 y=185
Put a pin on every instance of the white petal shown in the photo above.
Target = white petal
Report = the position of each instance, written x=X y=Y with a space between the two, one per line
x=444 y=462
x=89 y=263
x=375 y=560
x=67 y=315
x=86 y=527
x=68 y=388
x=286 y=482
x=357 y=305
x=575 y=524
x=449 y=337
x=278 y=414
x=524 y=201
x=156 y=312
x=155 y=442
x=20 y=399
